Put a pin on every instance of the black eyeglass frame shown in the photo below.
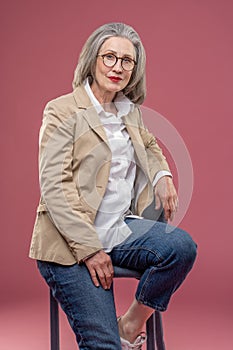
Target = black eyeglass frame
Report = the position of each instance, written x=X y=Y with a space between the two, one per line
x=118 y=58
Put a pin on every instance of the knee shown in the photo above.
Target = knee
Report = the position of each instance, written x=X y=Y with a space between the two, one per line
x=186 y=249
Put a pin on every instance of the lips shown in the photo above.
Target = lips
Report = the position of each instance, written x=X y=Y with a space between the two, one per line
x=115 y=79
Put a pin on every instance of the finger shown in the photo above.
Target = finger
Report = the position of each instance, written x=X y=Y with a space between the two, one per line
x=167 y=211
x=172 y=205
x=92 y=273
x=94 y=278
x=167 y=214
x=172 y=214
x=109 y=274
x=108 y=278
x=108 y=271
x=103 y=278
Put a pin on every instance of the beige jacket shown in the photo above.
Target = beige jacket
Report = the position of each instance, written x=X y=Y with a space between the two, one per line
x=74 y=165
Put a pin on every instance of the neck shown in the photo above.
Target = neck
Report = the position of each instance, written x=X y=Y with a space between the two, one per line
x=104 y=97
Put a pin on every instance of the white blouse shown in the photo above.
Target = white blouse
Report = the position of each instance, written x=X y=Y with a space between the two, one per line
x=109 y=221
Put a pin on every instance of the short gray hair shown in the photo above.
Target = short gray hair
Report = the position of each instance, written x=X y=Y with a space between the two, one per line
x=136 y=88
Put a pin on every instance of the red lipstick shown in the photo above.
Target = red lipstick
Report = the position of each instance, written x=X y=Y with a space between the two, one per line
x=115 y=79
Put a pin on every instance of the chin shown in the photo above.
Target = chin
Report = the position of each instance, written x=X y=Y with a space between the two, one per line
x=115 y=88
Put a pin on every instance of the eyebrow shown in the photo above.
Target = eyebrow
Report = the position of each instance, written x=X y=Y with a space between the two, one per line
x=125 y=55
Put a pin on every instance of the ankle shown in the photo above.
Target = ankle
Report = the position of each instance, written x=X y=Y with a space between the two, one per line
x=128 y=330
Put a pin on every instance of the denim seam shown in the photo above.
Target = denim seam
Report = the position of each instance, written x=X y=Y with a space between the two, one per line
x=156 y=253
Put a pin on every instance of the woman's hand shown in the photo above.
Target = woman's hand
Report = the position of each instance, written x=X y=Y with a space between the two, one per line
x=165 y=195
x=101 y=269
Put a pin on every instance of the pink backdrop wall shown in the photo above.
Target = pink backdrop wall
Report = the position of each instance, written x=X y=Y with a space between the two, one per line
x=189 y=78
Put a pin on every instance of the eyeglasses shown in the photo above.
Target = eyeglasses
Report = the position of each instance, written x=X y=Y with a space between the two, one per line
x=109 y=60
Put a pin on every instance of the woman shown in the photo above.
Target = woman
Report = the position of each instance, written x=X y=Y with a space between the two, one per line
x=99 y=170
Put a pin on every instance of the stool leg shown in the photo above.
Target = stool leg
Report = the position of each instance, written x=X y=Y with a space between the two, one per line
x=54 y=323
x=159 y=331
x=150 y=330
x=154 y=329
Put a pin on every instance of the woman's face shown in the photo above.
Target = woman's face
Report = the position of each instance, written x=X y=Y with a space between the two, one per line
x=110 y=80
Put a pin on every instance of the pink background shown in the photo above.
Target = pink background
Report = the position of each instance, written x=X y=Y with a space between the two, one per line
x=189 y=78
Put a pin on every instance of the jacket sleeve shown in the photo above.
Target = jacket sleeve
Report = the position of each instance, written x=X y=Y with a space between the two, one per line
x=66 y=209
x=156 y=159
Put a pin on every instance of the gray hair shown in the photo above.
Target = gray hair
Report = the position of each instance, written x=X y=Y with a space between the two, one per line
x=136 y=88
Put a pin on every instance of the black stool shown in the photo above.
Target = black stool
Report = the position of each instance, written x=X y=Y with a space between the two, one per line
x=154 y=328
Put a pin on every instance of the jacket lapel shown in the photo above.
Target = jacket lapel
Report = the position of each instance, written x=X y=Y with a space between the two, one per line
x=134 y=133
x=91 y=116
x=83 y=102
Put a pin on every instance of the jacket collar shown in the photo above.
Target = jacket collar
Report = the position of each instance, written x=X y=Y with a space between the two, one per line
x=81 y=98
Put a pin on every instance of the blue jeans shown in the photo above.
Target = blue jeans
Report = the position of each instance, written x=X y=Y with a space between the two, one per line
x=164 y=258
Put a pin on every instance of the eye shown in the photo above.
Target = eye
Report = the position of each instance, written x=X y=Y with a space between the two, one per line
x=110 y=57
x=127 y=60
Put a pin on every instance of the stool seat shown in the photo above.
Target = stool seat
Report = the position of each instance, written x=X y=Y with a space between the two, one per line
x=120 y=272
x=154 y=328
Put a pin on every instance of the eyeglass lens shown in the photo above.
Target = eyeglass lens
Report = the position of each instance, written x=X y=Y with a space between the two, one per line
x=110 y=60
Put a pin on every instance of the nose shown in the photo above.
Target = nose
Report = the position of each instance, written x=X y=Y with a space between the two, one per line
x=118 y=67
